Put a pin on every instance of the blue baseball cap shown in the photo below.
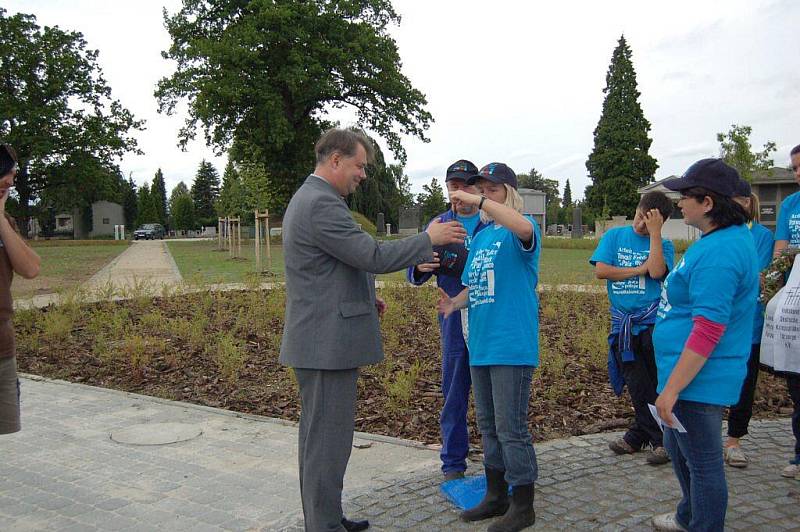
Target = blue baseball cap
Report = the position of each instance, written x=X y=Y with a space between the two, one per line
x=743 y=189
x=461 y=169
x=496 y=173
x=712 y=174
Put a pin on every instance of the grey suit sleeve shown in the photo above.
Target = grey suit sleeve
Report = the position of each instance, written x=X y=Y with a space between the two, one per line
x=336 y=233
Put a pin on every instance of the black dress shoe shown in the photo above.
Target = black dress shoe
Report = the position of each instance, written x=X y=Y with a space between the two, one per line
x=354 y=526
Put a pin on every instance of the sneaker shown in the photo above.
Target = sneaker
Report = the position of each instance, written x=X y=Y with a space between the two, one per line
x=658 y=456
x=620 y=446
x=735 y=457
x=667 y=523
x=453 y=475
x=791 y=471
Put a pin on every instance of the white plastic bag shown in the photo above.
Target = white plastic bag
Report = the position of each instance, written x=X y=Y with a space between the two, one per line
x=780 y=338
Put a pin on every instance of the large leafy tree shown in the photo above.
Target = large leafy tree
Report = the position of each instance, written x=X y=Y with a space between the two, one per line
x=261 y=76
x=57 y=111
x=205 y=191
x=159 y=192
x=620 y=163
x=736 y=150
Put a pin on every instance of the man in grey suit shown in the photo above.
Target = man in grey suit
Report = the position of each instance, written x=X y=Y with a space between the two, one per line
x=331 y=324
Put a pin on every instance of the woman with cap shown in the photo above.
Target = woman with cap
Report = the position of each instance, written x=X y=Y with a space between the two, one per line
x=702 y=341
x=15 y=256
x=500 y=278
x=739 y=414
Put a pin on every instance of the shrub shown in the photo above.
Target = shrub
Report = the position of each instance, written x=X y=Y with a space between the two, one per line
x=366 y=225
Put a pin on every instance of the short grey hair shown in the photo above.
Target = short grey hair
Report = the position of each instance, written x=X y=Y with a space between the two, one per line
x=343 y=141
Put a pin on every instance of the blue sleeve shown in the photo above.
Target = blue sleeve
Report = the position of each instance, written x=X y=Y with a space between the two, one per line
x=764 y=245
x=782 y=227
x=535 y=239
x=710 y=292
x=605 y=250
x=669 y=253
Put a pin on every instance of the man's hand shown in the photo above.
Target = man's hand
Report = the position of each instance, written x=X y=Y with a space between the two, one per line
x=381 y=305
x=653 y=221
x=445 y=304
x=664 y=405
x=3 y=197
x=446 y=233
x=428 y=267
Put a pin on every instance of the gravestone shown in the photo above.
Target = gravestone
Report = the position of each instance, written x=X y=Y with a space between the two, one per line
x=409 y=221
x=577 y=227
x=380 y=224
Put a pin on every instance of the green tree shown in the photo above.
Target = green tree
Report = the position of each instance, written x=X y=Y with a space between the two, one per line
x=148 y=212
x=620 y=163
x=261 y=77
x=159 y=193
x=536 y=181
x=205 y=191
x=567 y=202
x=735 y=149
x=232 y=200
x=181 y=208
x=431 y=201
x=129 y=204
x=56 y=110
x=385 y=190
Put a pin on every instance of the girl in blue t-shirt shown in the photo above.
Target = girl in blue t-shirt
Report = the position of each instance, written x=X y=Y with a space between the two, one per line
x=500 y=276
x=739 y=414
x=702 y=340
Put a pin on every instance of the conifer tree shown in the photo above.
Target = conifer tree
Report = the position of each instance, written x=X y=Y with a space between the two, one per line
x=567 y=195
x=159 y=192
x=620 y=163
x=205 y=191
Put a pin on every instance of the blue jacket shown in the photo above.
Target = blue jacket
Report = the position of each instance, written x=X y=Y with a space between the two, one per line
x=620 y=337
x=450 y=328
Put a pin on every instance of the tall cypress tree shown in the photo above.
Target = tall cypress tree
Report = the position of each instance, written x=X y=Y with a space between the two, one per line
x=159 y=193
x=567 y=195
x=129 y=204
x=205 y=191
x=620 y=162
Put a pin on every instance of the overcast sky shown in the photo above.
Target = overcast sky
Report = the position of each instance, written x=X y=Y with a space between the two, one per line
x=510 y=81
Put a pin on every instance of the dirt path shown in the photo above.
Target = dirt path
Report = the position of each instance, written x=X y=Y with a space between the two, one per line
x=147 y=262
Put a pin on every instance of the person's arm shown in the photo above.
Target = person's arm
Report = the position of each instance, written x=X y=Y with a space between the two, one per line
x=780 y=245
x=502 y=214
x=615 y=273
x=655 y=263
x=447 y=305
x=23 y=259
x=689 y=365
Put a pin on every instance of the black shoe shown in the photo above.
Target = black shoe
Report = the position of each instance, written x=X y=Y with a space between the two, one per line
x=453 y=475
x=494 y=503
x=520 y=514
x=354 y=526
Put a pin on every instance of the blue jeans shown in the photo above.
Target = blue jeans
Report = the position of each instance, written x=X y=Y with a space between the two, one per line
x=697 y=462
x=501 y=408
x=453 y=419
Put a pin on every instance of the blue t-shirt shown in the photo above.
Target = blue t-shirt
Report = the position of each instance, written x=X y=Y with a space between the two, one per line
x=717 y=278
x=788 y=226
x=762 y=238
x=470 y=223
x=503 y=307
x=622 y=247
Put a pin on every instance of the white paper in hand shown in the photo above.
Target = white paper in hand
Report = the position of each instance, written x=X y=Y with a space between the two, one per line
x=678 y=426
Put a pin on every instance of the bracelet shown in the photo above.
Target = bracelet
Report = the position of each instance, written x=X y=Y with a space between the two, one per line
x=480 y=205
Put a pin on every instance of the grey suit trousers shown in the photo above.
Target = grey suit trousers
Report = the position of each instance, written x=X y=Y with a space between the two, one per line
x=327 y=421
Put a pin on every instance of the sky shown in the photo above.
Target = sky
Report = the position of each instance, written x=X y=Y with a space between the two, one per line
x=509 y=81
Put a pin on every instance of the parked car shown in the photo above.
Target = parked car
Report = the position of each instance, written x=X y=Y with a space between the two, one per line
x=149 y=232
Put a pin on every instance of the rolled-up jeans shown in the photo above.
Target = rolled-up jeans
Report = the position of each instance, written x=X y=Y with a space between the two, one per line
x=697 y=461
x=501 y=407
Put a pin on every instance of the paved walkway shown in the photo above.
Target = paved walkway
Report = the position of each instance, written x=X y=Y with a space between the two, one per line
x=65 y=472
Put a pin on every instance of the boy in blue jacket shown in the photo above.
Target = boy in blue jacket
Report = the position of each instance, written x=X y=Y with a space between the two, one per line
x=447 y=267
x=635 y=259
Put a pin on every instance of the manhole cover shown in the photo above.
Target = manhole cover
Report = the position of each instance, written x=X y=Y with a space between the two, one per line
x=156 y=433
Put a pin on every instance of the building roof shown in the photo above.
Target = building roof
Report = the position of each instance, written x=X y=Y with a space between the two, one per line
x=776 y=174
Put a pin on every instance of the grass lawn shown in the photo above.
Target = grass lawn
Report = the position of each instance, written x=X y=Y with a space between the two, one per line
x=200 y=262
x=66 y=264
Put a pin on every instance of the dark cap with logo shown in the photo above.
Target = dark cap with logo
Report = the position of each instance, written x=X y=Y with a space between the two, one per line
x=743 y=189
x=711 y=174
x=461 y=169
x=496 y=173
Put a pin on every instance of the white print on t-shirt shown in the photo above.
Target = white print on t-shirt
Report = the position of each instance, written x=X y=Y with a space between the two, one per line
x=628 y=258
x=663 y=306
x=794 y=229
x=481 y=276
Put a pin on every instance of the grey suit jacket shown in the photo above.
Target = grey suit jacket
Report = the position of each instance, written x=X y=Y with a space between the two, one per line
x=331 y=321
